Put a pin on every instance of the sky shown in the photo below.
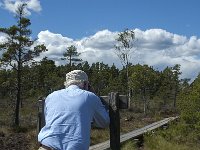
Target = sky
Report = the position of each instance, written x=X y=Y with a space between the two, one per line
x=167 y=31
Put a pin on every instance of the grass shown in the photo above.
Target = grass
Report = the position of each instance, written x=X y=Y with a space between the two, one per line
x=129 y=145
x=160 y=143
x=176 y=137
x=99 y=136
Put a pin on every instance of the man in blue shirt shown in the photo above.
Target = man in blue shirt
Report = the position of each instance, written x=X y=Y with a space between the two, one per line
x=69 y=113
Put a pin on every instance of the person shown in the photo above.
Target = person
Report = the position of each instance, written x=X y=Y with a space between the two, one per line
x=69 y=113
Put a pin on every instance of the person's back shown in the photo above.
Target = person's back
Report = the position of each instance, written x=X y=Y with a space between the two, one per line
x=68 y=115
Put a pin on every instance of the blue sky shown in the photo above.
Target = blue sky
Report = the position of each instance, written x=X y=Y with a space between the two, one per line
x=79 y=18
x=167 y=31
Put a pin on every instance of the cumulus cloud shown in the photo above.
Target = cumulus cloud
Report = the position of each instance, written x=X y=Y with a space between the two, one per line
x=3 y=38
x=103 y=40
x=56 y=45
x=158 y=39
x=155 y=47
x=32 y=5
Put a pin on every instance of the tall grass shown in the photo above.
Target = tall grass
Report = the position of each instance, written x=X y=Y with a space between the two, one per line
x=99 y=136
x=129 y=145
x=159 y=143
x=177 y=137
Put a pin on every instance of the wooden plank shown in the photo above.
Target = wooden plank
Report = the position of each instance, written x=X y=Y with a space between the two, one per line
x=145 y=129
x=133 y=134
x=101 y=146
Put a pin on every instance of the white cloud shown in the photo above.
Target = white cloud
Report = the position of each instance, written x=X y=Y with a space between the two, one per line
x=32 y=5
x=155 y=47
x=56 y=45
x=2 y=40
x=103 y=40
x=2 y=37
x=158 y=39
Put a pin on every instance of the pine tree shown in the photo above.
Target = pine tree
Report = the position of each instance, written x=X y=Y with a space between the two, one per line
x=72 y=55
x=17 y=50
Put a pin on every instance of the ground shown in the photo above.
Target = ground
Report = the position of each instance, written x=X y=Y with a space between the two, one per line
x=14 y=141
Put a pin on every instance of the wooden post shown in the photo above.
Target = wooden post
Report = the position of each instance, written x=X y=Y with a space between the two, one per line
x=114 y=121
x=41 y=119
x=115 y=102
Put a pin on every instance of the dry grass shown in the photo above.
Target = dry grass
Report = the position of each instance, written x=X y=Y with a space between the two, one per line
x=99 y=135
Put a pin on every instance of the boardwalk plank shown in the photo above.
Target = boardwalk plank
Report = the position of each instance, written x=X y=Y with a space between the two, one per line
x=133 y=134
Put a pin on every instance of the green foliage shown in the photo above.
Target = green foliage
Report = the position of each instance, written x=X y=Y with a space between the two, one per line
x=189 y=105
x=17 y=51
x=99 y=77
x=124 y=47
x=125 y=42
x=170 y=85
x=160 y=143
x=185 y=134
x=144 y=78
x=177 y=136
x=43 y=77
x=129 y=145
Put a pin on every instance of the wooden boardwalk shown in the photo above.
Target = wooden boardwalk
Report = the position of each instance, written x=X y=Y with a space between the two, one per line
x=134 y=133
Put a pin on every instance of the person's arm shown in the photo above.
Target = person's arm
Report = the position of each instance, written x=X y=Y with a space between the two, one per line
x=101 y=115
x=105 y=104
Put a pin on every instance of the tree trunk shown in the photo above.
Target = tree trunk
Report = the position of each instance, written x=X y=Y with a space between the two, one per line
x=145 y=102
x=175 y=95
x=17 y=105
x=70 y=62
x=128 y=87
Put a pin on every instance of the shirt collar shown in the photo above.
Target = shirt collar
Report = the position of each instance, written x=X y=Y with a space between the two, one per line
x=73 y=87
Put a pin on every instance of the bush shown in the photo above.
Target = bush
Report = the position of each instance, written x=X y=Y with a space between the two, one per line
x=186 y=134
x=189 y=106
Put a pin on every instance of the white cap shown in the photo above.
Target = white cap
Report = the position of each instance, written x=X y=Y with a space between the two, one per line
x=75 y=77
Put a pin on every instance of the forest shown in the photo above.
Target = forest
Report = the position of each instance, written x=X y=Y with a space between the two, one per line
x=154 y=89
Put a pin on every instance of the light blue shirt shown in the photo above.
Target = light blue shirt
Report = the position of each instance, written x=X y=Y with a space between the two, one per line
x=68 y=116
